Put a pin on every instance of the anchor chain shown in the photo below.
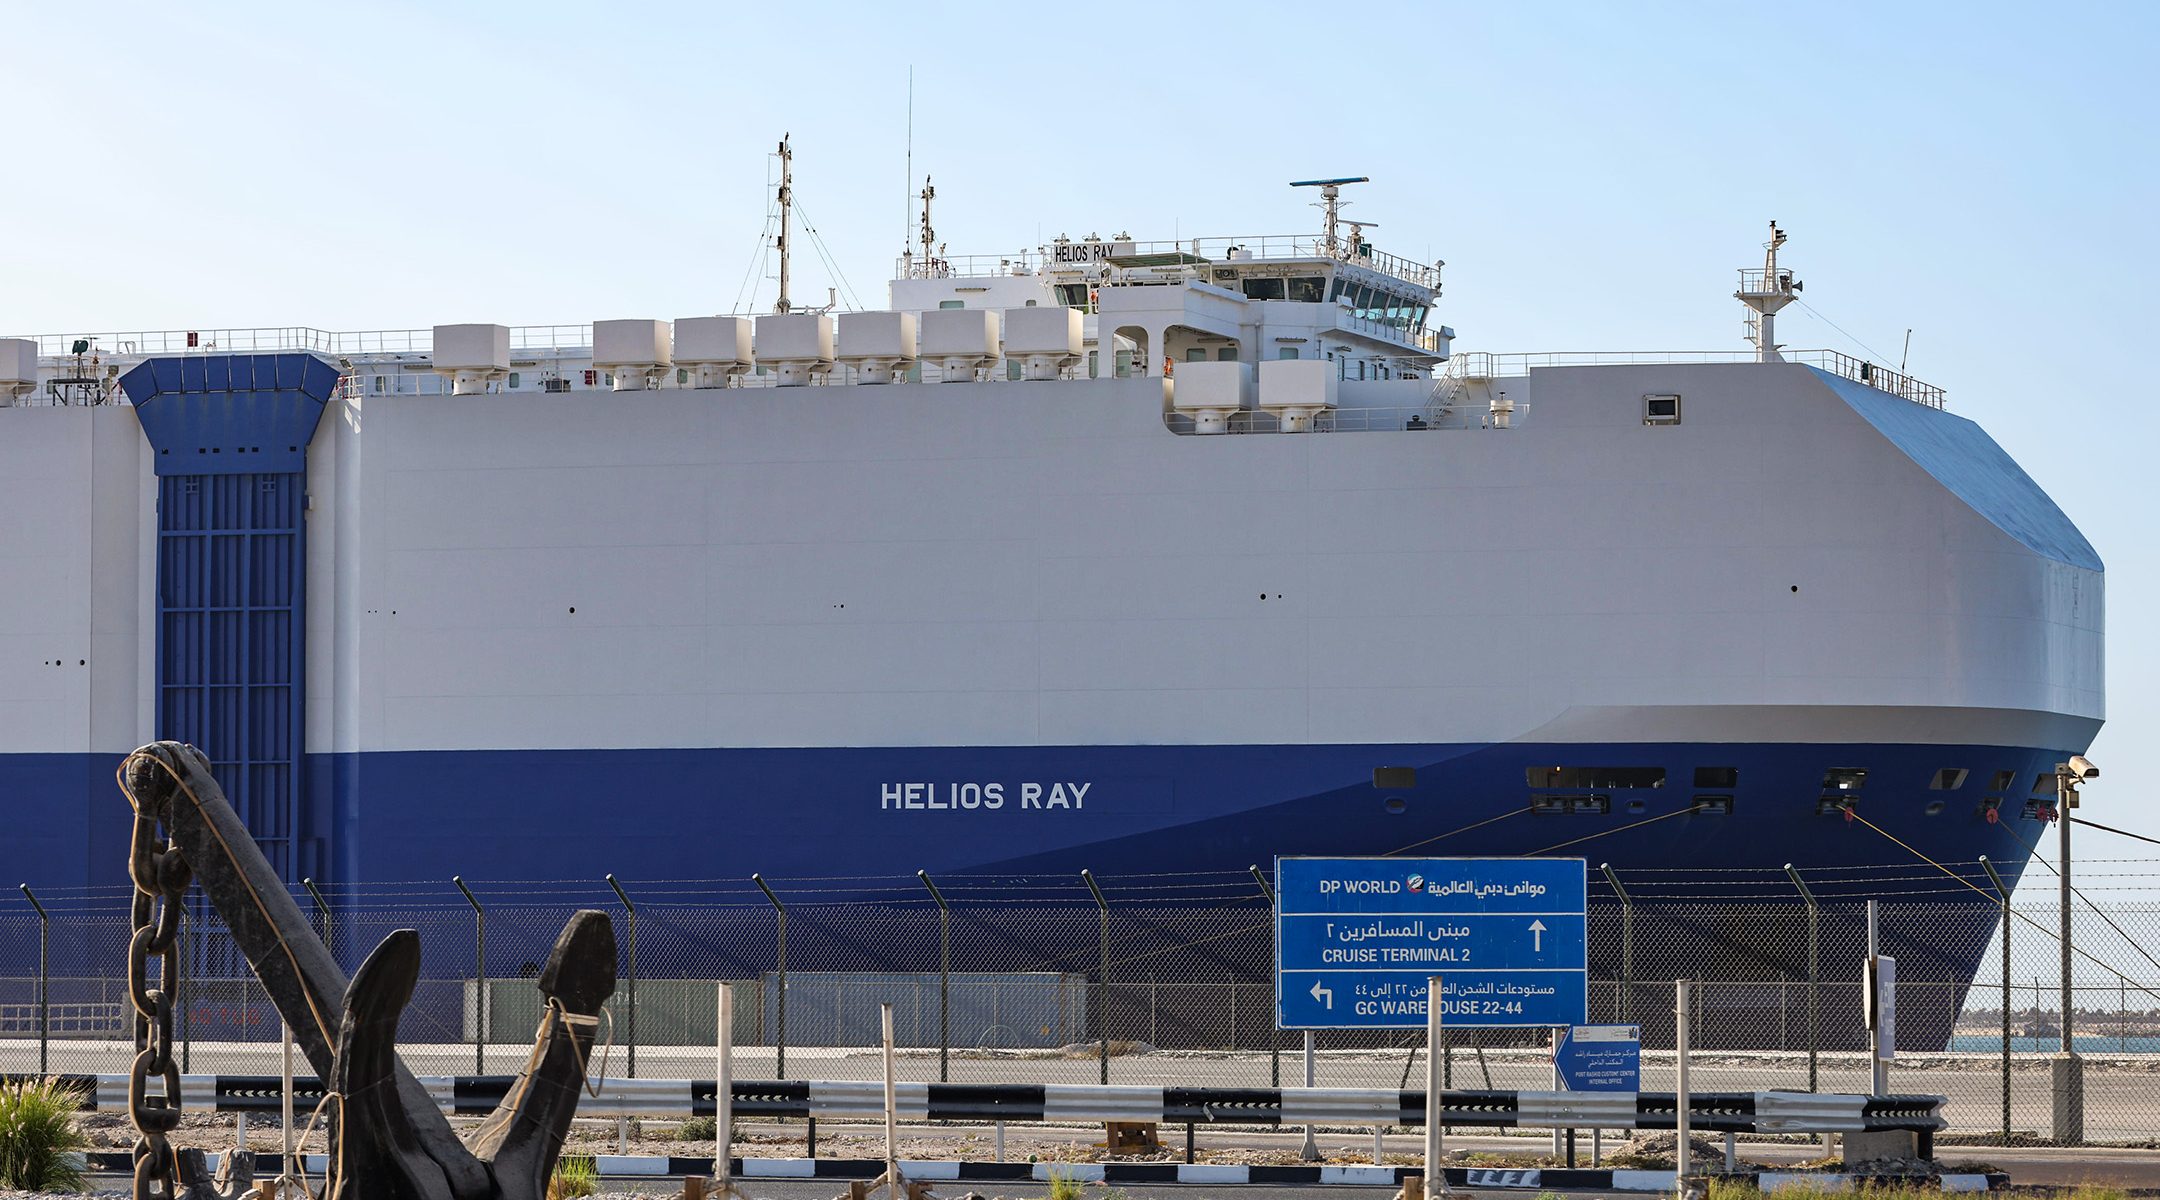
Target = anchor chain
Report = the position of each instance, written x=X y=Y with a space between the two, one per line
x=161 y=877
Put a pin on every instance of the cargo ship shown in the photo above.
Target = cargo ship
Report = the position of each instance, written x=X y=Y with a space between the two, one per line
x=1139 y=556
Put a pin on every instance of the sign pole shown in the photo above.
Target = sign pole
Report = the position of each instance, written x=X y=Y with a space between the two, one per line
x=1311 y=1152
x=1557 y=1086
x=1435 y=1089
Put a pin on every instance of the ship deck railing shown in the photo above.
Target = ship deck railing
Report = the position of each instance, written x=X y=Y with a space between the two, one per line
x=1488 y=365
x=1078 y=255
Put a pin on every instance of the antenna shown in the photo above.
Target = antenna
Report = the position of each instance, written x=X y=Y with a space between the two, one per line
x=1907 y=354
x=1331 y=204
x=787 y=204
x=909 y=203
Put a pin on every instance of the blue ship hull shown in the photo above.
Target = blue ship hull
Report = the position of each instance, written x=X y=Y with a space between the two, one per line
x=875 y=816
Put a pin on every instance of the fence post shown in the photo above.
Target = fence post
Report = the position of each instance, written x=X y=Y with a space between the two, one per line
x=322 y=913
x=44 y=983
x=630 y=911
x=2003 y=892
x=1814 y=975
x=944 y=979
x=1627 y=944
x=480 y=998
x=1681 y=1113
x=181 y=961
x=780 y=1005
x=1275 y=1036
x=1102 y=977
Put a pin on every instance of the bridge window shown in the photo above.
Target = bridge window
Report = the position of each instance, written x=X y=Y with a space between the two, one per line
x=1263 y=289
x=1307 y=289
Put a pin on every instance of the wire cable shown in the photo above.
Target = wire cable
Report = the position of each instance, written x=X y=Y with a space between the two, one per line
x=1997 y=900
x=1452 y=832
x=2111 y=829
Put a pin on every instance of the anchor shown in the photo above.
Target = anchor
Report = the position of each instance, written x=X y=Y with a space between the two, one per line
x=388 y=1139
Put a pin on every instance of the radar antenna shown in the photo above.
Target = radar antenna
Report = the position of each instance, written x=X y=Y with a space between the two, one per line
x=1331 y=205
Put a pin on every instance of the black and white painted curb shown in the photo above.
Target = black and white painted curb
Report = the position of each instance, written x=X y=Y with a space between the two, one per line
x=1708 y=1112
x=1121 y=1174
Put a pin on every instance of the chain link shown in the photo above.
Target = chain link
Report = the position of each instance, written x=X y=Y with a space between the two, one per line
x=161 y=878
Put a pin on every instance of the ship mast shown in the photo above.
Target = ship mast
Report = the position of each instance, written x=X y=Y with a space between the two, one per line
x=929 y=235
x=1765 y=294
x=787 y=205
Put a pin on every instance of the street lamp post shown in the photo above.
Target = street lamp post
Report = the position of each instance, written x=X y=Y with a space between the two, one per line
x=2069 y=1069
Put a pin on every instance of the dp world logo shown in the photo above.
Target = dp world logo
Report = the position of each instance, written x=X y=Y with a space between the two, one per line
x=1415 y=883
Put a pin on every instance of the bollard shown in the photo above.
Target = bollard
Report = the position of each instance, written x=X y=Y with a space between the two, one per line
x=480 y=998
x=944 y=981
x=780 y=1003
x=630 y=914
x=1102 y=978
x=1814 y=976
x=44 y=960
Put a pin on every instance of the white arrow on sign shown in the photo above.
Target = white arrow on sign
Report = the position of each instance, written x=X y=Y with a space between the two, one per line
x=1326 y=996
x=1537 y=935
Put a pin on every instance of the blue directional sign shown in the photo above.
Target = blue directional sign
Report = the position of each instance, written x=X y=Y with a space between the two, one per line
x=1356 y=940
x=1600 y=1058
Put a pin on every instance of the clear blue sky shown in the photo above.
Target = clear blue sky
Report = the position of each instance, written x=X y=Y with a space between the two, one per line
x=1983 y=174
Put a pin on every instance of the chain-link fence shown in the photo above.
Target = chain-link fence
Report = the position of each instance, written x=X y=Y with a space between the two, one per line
x=1161 y=984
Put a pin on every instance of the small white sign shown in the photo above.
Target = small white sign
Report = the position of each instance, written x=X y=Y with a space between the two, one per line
x=1881 y=995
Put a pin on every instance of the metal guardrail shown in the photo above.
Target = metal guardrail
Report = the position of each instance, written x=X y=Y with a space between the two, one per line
x=1722 y=1112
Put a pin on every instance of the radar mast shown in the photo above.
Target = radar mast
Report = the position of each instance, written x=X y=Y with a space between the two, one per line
x=1331 y=205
